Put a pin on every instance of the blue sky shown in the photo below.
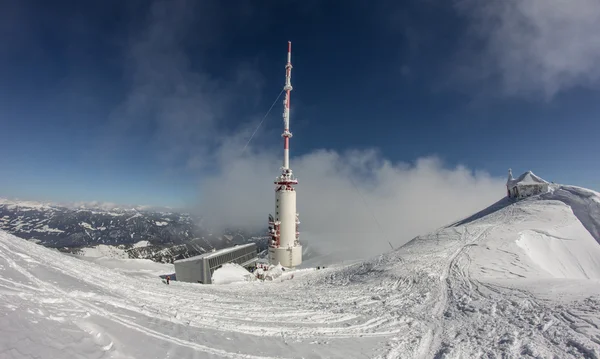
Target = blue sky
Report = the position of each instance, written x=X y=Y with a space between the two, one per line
x=148 y=102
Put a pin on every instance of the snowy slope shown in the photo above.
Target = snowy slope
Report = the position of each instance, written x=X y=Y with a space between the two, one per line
x=516 y=280
x=103 y=250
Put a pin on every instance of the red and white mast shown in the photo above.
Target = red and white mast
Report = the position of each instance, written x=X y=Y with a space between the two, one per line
x=286 y=108
x=284 y=247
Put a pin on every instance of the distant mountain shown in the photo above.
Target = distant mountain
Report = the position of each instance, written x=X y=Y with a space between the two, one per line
x=141 y=232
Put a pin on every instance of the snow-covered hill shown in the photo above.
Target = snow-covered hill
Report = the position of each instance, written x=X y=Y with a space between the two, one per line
x=517 y=280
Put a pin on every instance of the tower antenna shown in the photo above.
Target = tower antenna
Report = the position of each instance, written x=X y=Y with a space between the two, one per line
x=286 y=108
x=284 y=246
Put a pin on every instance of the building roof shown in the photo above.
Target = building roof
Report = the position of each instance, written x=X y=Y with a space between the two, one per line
x=527 y=178
x=216 y=253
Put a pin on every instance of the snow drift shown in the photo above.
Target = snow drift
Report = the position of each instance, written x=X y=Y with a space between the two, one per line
x=562 y=257
x=517 y=280
x=231 y=273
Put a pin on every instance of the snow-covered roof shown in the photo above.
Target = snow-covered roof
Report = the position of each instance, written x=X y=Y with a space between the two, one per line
x=216 y=253
x=527 y=178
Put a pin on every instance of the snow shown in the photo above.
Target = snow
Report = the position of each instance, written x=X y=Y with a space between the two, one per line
x=576 y=257
x=94 y=206
x=45 y=228
x=527 y=178
x=132 y=266
x=274 y=272
x=518 y=280
x=134 y=216
x=103 y=250
x=86 y=225
x=161 y=224
x=24 y=205
x=141 y=244
x=585 y=204
x=231 y=273
x=90 y=227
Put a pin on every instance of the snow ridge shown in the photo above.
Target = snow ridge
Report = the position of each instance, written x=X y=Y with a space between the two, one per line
x=585 y=204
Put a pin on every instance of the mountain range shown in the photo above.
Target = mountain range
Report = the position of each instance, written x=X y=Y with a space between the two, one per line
x=161 y=235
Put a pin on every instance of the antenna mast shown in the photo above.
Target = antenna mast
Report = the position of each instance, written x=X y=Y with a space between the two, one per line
x=286 y=109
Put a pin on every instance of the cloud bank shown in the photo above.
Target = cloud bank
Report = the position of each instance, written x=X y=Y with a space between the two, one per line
x=353 y=204
x=532 y=48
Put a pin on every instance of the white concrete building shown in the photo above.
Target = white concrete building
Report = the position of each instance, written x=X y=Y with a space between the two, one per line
x=526 y=185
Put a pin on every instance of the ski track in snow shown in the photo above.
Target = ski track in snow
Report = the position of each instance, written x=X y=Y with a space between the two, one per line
x=96 y=301
x=464 y=291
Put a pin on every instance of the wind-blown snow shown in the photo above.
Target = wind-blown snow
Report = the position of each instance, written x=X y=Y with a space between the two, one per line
x=478 y=288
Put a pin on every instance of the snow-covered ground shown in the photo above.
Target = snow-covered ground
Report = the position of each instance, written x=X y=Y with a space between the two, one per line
x=131 y=266
x=103 y=250
x=514 y=281
x=232 y=273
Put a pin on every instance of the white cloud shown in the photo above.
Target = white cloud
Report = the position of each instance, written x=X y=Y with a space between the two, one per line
x=171 y=96
x=406 y=200
x=533 y=48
